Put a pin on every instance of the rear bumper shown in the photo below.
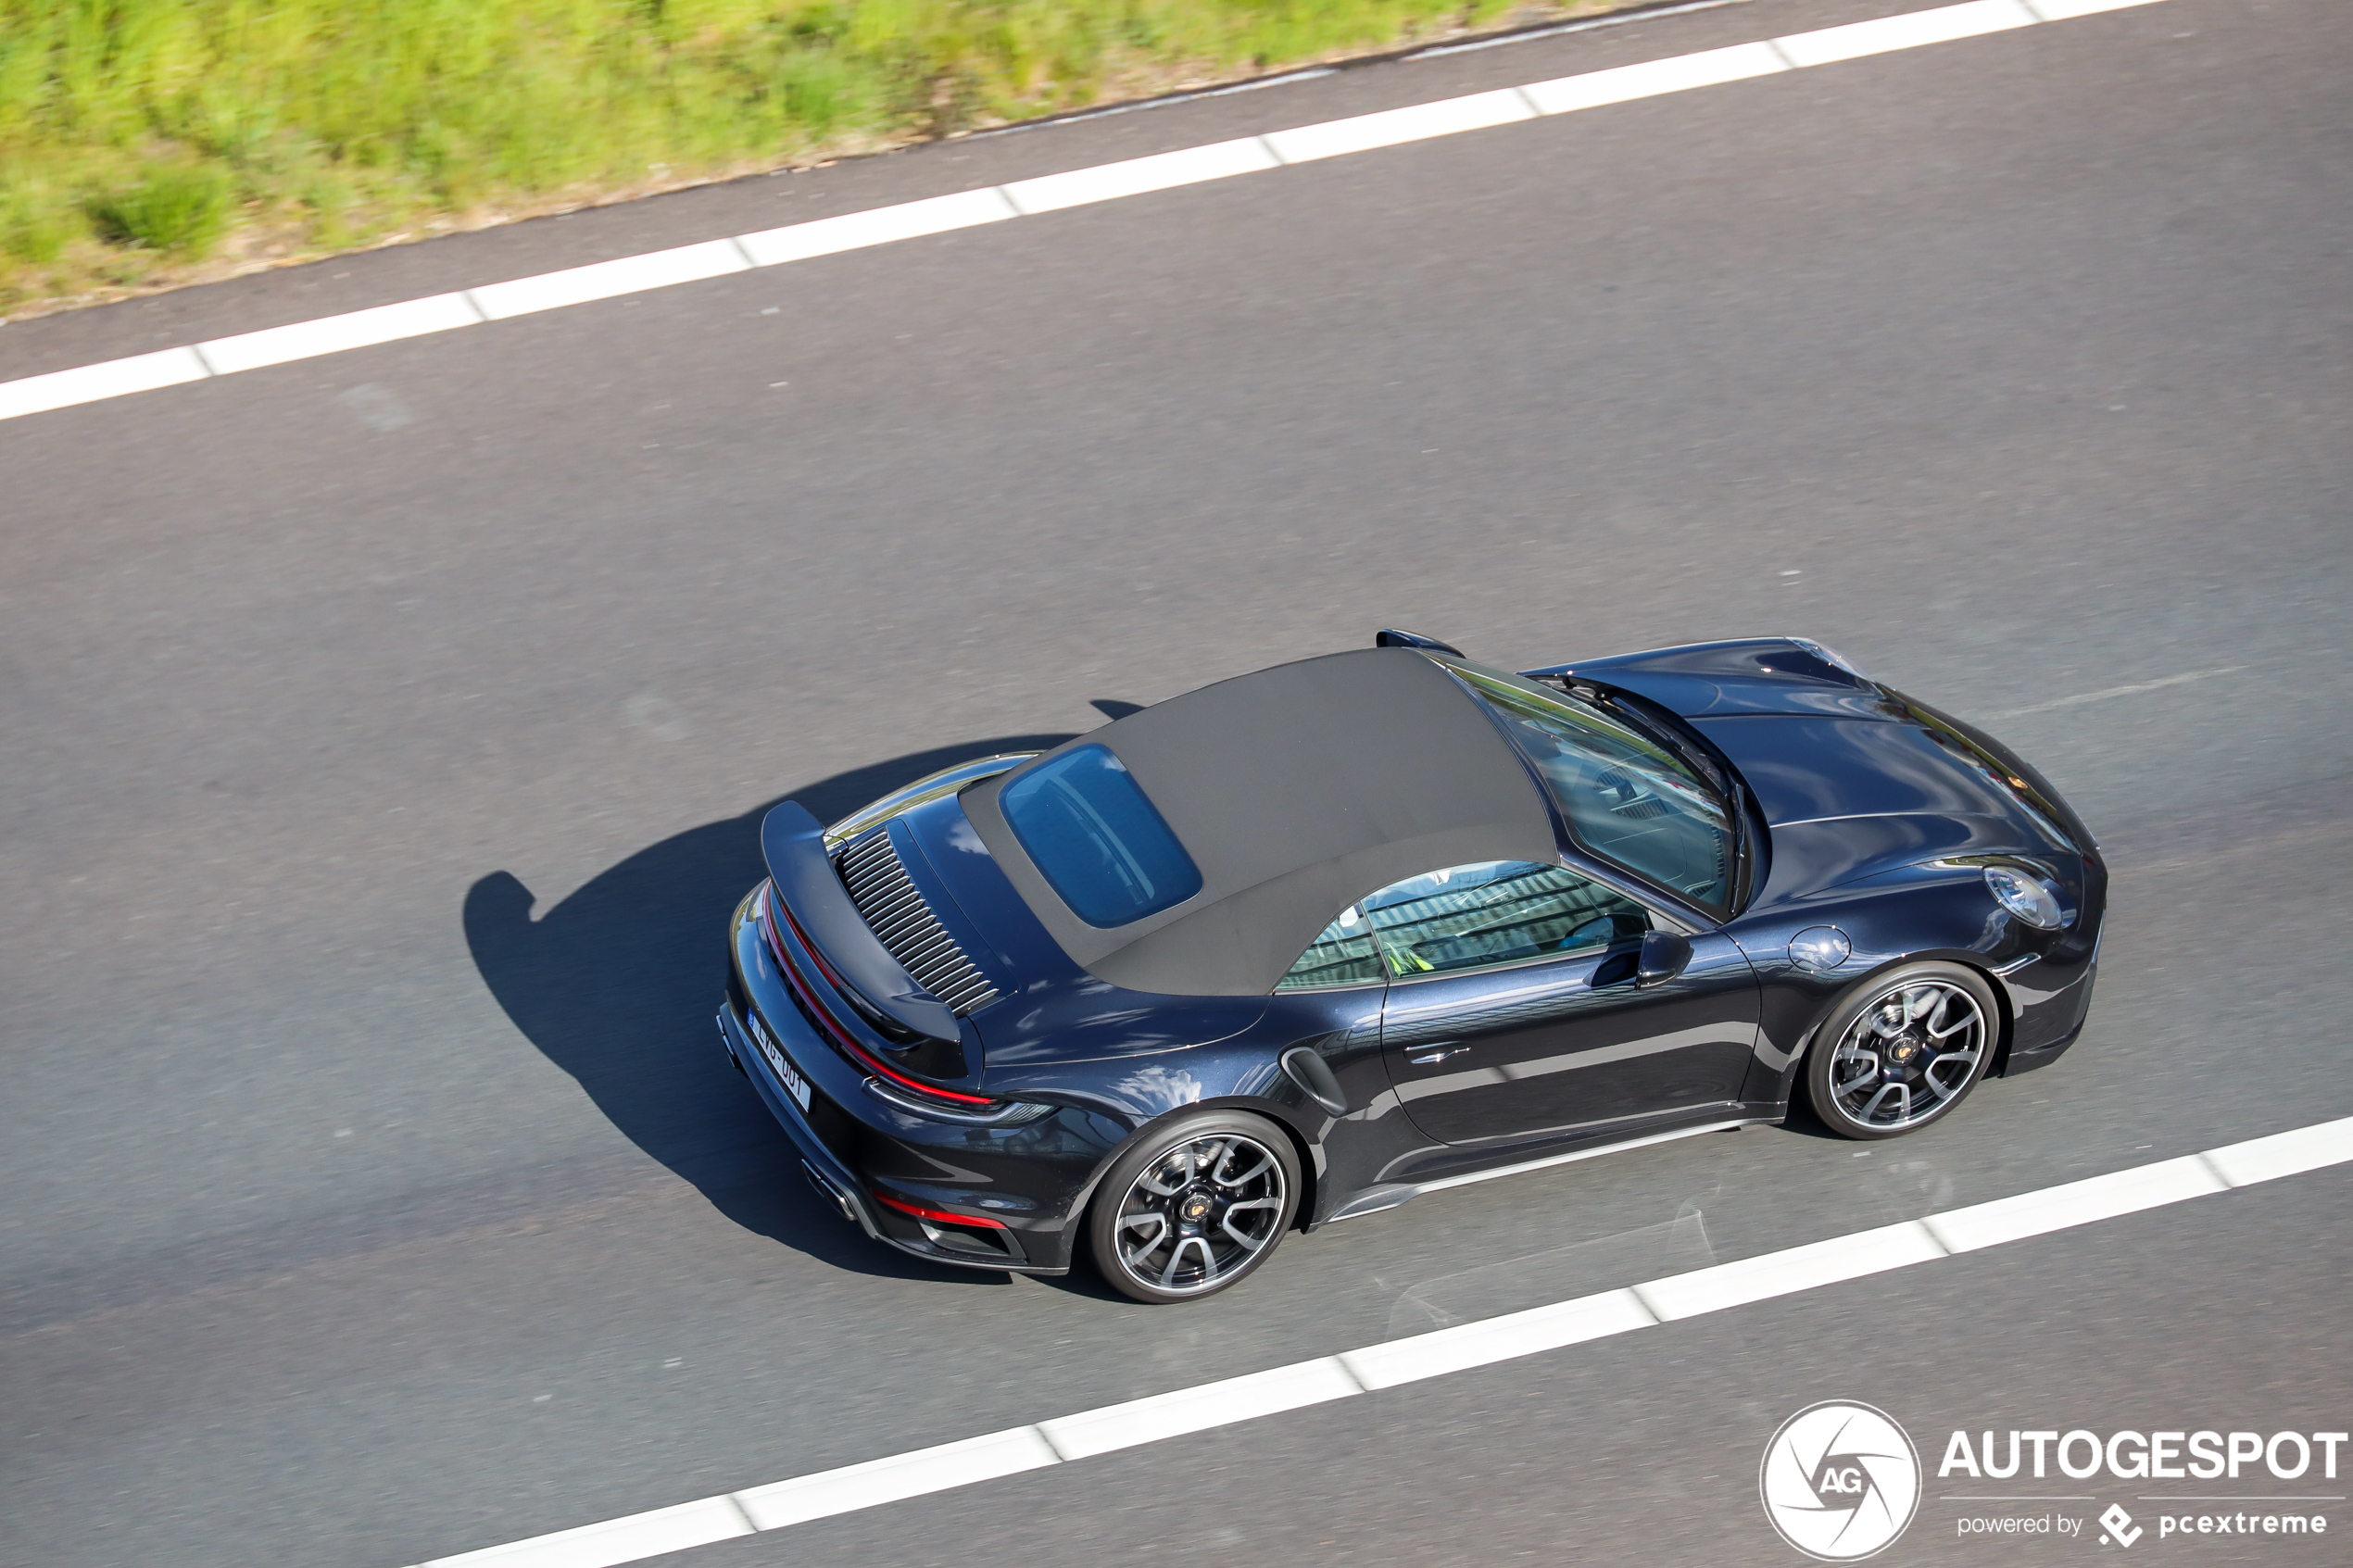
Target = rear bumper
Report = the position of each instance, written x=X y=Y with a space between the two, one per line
x=841 y=1186
x=993 y=1198
x=828 y=1176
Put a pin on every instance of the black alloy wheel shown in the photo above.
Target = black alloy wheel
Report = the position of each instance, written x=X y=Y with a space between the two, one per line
x=1194 y=1206
x=1902 y=1049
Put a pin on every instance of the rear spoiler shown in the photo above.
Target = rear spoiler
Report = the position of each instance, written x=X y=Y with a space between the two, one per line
x=793 y=841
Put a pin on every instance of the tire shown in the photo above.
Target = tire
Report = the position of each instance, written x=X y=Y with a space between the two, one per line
x=1194 y=1206
x=1902 y=1049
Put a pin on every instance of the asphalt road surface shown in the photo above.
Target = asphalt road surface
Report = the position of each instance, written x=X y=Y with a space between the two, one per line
x=385 y=736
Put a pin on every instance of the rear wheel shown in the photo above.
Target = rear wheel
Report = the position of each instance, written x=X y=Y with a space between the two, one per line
x=1902 y=1050
x=1197 y=1204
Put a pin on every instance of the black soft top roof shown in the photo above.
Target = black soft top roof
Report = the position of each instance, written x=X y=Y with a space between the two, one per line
x=1297 y=790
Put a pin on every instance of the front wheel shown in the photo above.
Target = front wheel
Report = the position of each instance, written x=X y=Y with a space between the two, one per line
x=1197 y=1204
x=1902 y=1050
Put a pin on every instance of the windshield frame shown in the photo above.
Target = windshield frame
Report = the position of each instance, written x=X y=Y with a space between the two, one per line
x=1728 y=793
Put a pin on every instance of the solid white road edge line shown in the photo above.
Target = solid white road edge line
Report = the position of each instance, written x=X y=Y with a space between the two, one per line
x=936 y=215
x=1790 y=1272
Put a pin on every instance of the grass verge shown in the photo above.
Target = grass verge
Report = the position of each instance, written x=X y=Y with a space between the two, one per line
x=146 y=144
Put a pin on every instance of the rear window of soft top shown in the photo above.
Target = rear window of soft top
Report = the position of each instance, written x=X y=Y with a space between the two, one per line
x=1097 y=838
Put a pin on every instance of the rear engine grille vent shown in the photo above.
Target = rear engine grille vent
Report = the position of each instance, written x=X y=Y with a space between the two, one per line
x=880 y=886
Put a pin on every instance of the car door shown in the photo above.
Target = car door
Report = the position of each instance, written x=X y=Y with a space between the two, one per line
x=1513 y=1010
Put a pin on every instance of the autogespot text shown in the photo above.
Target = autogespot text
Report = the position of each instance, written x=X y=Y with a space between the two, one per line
x=2154 y=1456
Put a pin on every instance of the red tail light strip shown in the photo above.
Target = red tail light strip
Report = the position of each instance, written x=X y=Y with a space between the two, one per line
x=776 y=904
x=834 y=1030
x=938 y=1215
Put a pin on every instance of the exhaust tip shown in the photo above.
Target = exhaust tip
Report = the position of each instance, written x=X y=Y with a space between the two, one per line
x=841 y=1200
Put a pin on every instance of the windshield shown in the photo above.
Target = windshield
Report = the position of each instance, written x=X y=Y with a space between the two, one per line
x=1097 y=838
x=1627 y=798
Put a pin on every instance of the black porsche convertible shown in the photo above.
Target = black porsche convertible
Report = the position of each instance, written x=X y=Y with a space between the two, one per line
x=1305 y=943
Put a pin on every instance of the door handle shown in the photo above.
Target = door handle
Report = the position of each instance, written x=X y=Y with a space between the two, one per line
x=1436 y=1054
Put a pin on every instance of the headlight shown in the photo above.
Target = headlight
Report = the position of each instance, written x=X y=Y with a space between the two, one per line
x=2027 y=896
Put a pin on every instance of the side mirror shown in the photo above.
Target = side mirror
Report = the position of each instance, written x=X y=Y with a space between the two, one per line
x=1664 y=956
x=1396 y=639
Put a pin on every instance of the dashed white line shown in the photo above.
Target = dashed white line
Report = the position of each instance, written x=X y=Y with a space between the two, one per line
x=1653 y=78
x=332 y=335
x=2078 y=1203
x=937 y=215
x=2104 y=693
x=89 y=383
x=1072 y=1437
x=1910 y=30
x=1134 y=177
x=2067 y=10
x=884 y=225
x=1197 y=1409
x=902 y=1475
x=1392 y=127
x=1786 y=1272
x=1498 y=1339
x=606 y=280
x=2284 y=1154
x=615 y=1541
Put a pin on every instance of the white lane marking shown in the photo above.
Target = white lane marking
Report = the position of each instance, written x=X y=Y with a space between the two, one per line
x=1908 y=32
x=2103 y=695
x=604 y=280
x=1197 y=1409
x=936 y=215
x=1391 y=128
x=1109 y=181
x=884 y=225
x=2077 y=1203
x=628 y=1540
x=332 y=335
x=1498 y=1339
x=112 y=378
x=2067 y=10
x=1652 y=78
x=2284 y=1154
x=902 y=1476
x=1790 y=1272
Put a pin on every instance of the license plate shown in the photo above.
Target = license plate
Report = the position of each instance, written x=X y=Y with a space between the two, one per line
x=794 y=1085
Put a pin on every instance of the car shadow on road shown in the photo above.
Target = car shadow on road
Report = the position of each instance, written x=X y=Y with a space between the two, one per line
x=618 y=984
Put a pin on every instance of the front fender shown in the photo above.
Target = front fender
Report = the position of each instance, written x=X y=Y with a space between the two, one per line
x=1916 y=913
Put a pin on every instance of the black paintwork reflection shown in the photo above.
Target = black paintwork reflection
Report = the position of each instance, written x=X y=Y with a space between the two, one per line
x=1802 y=767
x=1553 y=1047
x=1809 y=858
x=1753 y=675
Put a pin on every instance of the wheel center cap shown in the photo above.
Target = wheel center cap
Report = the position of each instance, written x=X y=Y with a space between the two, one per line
x=1902 y=1051
x=1195 y=1208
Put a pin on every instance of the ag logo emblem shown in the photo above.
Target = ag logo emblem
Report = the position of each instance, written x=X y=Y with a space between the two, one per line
x=1840 y=1481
